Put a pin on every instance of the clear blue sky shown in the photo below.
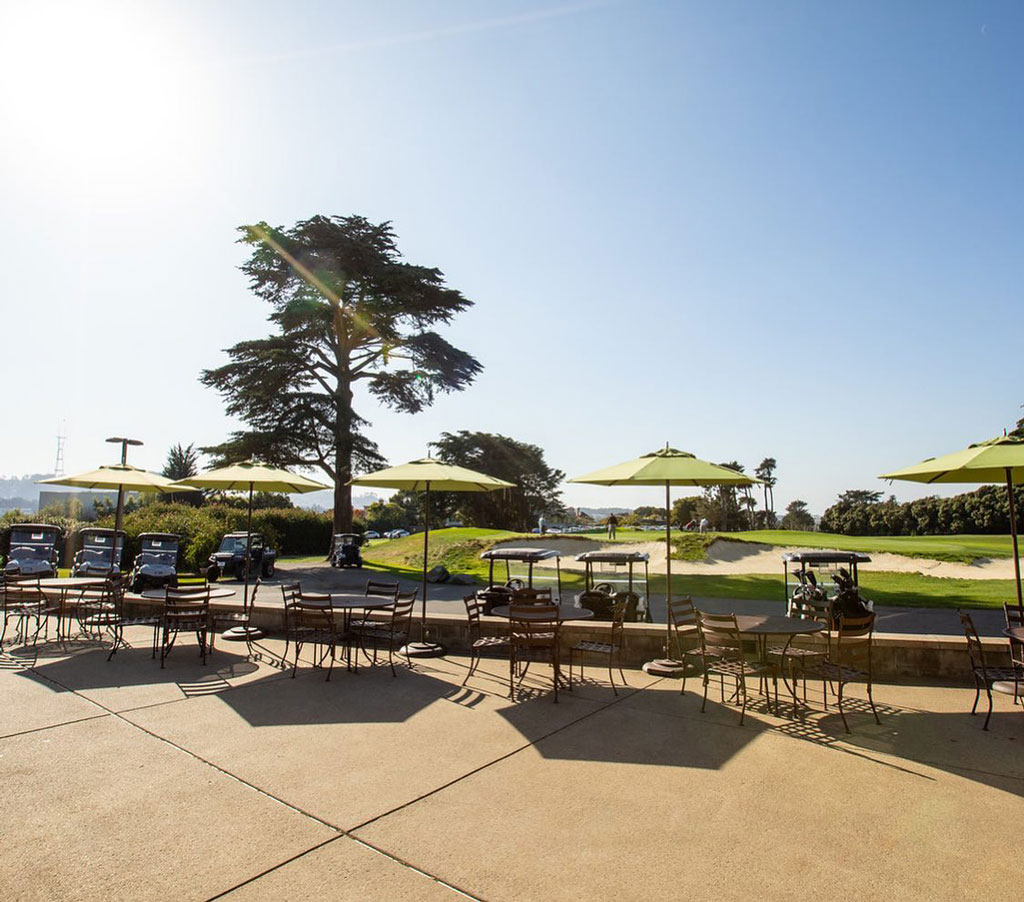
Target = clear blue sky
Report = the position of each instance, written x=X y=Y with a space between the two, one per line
x=747 y=229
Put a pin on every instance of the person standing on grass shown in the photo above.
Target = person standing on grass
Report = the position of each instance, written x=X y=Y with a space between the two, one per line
x=613 y=521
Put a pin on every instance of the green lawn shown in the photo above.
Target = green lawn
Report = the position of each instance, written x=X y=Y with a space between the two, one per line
x=459 y=550
x=965 y=549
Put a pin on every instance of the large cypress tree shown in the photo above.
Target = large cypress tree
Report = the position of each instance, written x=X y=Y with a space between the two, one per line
x=346 y=310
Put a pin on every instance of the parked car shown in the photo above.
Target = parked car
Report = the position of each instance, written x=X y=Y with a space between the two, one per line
x=371 y=534
x=33 y=549
x=229 y=559
x=94 y=558
x=396 y=534
x=345 y=550
x=156 y=564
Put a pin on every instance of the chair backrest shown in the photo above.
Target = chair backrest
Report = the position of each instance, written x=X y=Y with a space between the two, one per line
x=21 y=590
x=682 y=617
x=534 y=624
x=853 y=642
x=974 y=648
x=720 y=636
x=400 y=613
x=532 y=596
x=307 y=611
x=1015 y=620
x=186 y=604
x=620 y=610
x=380 y=589
x=104 y=601
x=474 y=608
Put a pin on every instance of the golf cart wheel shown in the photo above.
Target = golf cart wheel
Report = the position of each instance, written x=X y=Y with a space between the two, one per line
x=268 y=569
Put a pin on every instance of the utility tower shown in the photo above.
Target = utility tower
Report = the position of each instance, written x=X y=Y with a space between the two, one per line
x=58 y=467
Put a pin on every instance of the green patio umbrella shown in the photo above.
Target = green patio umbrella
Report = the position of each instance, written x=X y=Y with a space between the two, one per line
x=423 y=476
x=249 y=476
x=667 y=467
x=998 y=460
x=122 y=478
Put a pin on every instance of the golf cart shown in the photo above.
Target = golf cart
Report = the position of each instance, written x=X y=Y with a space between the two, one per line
x=229 y=560
x=345 y=550
x=841 y=567
x=610 y=577
x=33 y=549
x=499 y=594
x=156 y=564
x=94 y=559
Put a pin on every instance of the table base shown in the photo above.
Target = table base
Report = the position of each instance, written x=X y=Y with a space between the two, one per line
x=242 y=634
x=422 y=650
x=665 y=667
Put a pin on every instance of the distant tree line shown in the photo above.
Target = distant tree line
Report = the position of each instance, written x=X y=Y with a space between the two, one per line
x=863 y=513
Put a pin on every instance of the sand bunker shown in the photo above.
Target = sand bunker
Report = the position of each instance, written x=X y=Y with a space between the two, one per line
x=726 y=557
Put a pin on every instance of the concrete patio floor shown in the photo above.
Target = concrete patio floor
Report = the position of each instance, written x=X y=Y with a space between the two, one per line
x=233 y=780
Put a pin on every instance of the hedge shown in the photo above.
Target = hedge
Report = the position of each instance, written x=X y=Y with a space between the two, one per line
x=290 y=531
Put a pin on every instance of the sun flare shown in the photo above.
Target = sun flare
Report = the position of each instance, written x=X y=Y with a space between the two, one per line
x=99 y=93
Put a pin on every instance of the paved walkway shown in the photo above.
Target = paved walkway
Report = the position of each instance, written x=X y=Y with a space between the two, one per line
x=122 y=780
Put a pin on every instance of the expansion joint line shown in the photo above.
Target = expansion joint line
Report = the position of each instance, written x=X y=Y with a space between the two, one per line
x=339 y=831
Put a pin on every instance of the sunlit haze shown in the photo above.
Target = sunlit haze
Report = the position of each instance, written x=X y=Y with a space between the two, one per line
x=787 y=230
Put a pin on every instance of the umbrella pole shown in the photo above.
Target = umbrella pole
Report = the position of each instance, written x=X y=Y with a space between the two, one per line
x=426 y=545
x=1013 y=534
x=668 y=572
x=118 y=520
x=248 y=553
x=666 y=666
x=423 y=648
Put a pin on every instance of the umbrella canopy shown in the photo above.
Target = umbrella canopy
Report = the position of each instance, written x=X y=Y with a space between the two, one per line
x=432 y=475
x=670 y=466
x=423 y=476
x=667 y=467
x=123 y=478
x=250 y=475
x=997 y=460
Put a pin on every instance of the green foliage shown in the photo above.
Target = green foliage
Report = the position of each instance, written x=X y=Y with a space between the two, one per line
x=403 y=511
x=536 y=491
x=54 y=516
x=290 y=531
x=797 y=516
x=722 y=504
x=984 y=511
x=347 y=311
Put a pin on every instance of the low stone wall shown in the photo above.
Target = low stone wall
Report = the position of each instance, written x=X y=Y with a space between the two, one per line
x=895 y=656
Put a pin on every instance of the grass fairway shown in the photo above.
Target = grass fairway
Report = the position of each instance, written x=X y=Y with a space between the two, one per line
x=961 y=549
x=459 y=550
x=884 y=588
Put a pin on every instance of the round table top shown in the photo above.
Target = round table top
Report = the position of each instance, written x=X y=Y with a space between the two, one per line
x=565 y=612
x=348 y=601
x=777 y=625
x=70 y=582
x=215 y=592
x=1015 y=632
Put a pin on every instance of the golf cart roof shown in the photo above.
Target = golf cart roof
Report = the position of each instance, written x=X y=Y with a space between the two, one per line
x=613 y=557
x=159 y=537
x=100 y=531
x=36 y=528
x=347 y=535
x=825 y=557
x=525 y=555
x=242 y=535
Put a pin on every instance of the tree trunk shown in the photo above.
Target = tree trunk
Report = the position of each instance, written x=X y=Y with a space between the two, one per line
x=343 y=463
